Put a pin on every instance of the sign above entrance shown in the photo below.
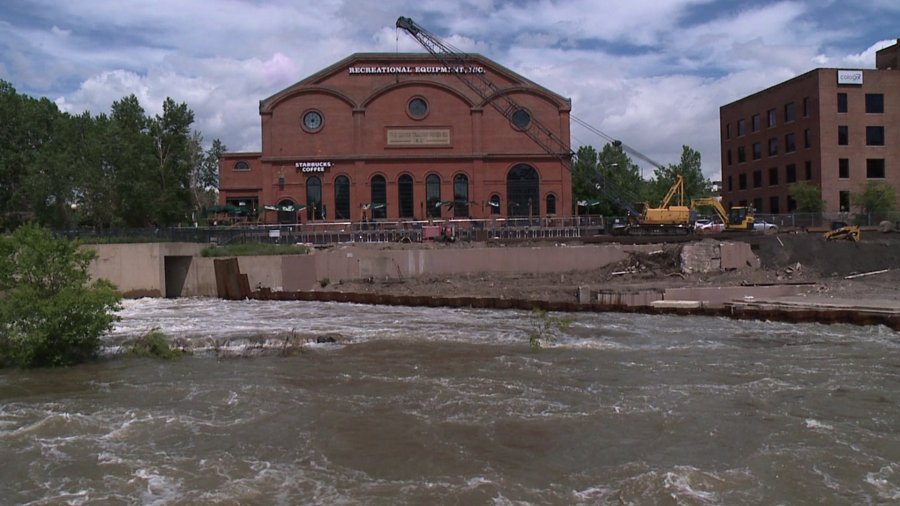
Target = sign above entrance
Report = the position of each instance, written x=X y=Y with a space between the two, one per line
x=398 y=69
x=418 y=137
x=313 y=166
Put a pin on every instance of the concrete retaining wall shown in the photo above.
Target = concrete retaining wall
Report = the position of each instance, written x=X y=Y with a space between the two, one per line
x=178 y=270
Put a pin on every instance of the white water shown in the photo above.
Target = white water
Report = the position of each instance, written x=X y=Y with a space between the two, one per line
x=430 y=405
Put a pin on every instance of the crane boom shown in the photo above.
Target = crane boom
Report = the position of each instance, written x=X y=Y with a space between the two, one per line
x=517 y=115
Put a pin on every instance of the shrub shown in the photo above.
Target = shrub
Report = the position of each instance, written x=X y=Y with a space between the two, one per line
x=154 y=344
x=545 y=328
x=50 y=315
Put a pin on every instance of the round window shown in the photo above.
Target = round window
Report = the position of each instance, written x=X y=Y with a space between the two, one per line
x=418 y=108
x=521 y=119
x=312 y=121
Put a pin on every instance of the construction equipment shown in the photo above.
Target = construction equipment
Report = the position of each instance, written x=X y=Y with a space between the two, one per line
x=737 y=218
x=840 y=231
x=517 y=115
x=669 y=219
x=663 y=220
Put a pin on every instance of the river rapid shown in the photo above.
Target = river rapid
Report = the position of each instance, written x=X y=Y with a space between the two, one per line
x=450 y=406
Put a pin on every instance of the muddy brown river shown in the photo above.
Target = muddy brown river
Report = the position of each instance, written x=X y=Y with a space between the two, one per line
x=438 y=406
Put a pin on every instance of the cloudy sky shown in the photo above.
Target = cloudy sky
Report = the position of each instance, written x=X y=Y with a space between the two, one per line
x=652 y=73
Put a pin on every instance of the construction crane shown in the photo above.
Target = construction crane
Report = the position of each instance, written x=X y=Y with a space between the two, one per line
x=512 y=111
x=667 y=218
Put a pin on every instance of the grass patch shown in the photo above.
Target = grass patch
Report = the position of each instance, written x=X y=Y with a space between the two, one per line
x=154 y=344
x=254 y=249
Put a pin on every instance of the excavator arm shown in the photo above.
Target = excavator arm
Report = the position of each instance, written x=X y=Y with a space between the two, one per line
x=715 y=204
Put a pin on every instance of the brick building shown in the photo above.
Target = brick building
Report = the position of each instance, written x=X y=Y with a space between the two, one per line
x=835 y=129
x=398 y=137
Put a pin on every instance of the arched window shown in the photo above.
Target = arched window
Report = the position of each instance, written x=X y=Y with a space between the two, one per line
x=341 y=198
x=460 y=196
x=494 y=203
x=405 y=196
x=287 y=211
x=551 y=204
x=314 y=198
x=379 y=198
x=433 y=196
x=523 y=191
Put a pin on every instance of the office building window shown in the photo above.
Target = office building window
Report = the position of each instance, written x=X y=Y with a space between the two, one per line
x=773 y=205
x=790 y=173
x=805 y=107
x=790 y=112
x=742 y=181
x=742 y=154
x=875 y=168
x=757 y=150
x=842 y=102
x=874 y=103
x=844 y=201
x=754 y=122
x=730 y=184
x=807 y=138
x=757 y=179
x=792 y=204
x=728 y=156
x=808 y=169
x=844 y=168
x=874 y=136
x=771 y=116
x=790 y=145
x=757 y=204
x=773 y=176
x=843 y=135
x=727 y=131
x=741 y=127
x=773 y=146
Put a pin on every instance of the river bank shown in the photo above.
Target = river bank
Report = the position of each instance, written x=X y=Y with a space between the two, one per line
x=829 y=281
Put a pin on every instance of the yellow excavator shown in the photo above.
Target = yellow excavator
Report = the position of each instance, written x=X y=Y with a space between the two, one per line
x=737 y=218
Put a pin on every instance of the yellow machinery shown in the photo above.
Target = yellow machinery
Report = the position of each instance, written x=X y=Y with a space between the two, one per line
x=737 y=218
x=844 y=232
x=671 y=218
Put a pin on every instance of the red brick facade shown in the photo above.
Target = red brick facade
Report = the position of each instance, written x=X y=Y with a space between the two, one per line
x=397 y=137
x=834 y=129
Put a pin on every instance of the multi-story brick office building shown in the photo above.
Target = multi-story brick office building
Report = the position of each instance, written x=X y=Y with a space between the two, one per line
x=399 y=136
x=835 y=129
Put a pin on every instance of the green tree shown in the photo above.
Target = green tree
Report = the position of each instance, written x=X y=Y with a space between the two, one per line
x=128 y=151
x=876 y=199
x=50 y=315
x=205 y=173
x=25 y=130
x=807 y=197
x=696 y=185
x=607 y=181
x=173 y=157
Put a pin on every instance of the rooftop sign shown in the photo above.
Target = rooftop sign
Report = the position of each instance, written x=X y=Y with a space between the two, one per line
x=401 y=69
x=850 y=77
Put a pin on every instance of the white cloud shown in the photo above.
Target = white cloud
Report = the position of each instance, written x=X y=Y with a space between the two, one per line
x=650 y=72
